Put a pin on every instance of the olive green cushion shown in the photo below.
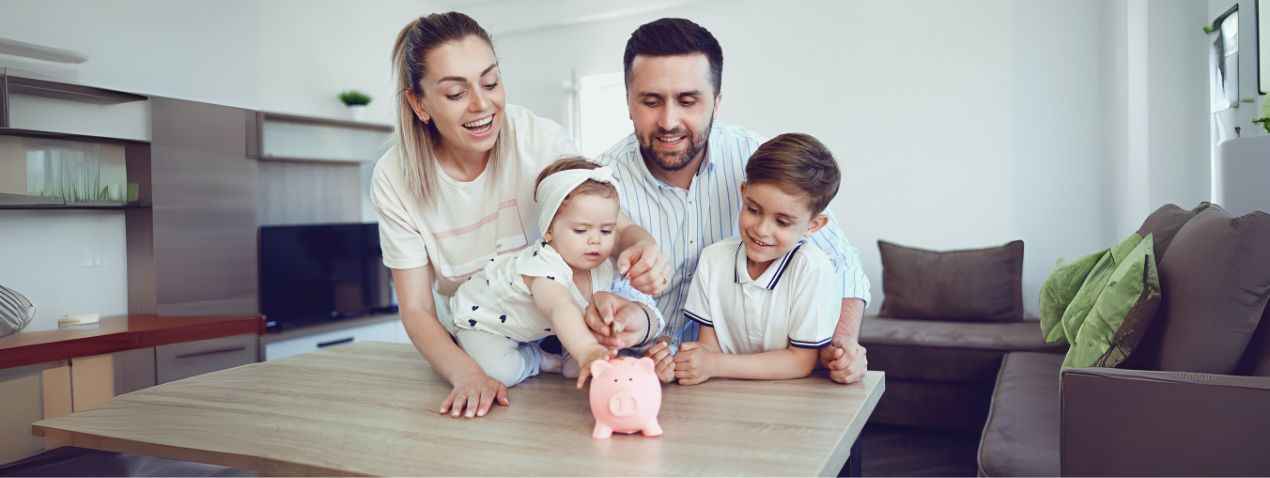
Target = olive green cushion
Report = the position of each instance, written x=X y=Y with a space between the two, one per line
x=1102 y=309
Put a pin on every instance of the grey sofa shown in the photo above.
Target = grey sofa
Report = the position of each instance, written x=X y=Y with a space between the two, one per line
x=1192 y=399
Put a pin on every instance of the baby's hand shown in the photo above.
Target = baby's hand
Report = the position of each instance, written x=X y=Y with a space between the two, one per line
x=584 y=362
x=664 y=362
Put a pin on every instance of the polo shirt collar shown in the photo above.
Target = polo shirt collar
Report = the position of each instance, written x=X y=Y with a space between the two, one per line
x=770 y=277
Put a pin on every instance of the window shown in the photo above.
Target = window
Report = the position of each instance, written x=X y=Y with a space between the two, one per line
x=601 y=118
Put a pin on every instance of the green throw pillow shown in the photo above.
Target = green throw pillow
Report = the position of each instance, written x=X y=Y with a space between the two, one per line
x=1102 y=303
x=1059 y=289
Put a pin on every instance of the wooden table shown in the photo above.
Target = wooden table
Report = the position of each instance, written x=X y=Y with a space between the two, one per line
x=371 y=409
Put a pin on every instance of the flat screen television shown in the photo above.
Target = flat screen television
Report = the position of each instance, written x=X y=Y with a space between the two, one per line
x=322 y=272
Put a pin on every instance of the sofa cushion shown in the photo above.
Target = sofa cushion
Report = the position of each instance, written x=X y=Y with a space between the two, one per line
x=1117 y=300
x=1021 y=436
x=1215 y=279
x=1164 y=223
x=1256 y=360
x=964 y=285
x=1004 y=336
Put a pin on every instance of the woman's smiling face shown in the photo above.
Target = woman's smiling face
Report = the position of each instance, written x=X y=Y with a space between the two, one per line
x=463 y=95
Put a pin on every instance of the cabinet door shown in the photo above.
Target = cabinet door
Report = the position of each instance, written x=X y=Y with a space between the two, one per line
x=379 y=332
x=178 y=361
x=204 y=209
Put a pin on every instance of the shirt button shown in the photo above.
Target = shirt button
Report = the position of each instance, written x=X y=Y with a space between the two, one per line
x=690 y=241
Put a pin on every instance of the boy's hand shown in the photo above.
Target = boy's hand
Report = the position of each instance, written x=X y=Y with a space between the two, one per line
x=664 y=363
x=584 y=362
x=693 y=364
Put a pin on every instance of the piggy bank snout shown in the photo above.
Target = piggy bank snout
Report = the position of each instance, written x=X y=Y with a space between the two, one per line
x=623 y=404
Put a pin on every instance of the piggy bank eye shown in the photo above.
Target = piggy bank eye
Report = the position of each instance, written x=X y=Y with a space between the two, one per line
x=615 y=380
x=630 y=379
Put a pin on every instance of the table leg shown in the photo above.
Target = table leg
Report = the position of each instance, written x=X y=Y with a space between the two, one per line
x=853 y=466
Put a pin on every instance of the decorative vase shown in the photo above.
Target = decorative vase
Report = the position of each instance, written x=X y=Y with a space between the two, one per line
x=356 y=112
x=15 y=311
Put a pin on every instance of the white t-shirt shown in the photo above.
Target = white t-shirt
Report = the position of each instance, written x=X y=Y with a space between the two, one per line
x=471 y=222
x=794 y=302
x=497 y=300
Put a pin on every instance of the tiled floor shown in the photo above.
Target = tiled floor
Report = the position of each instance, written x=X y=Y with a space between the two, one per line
x=906 y=451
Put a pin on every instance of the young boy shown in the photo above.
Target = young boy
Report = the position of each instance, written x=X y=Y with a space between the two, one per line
x=768 y=299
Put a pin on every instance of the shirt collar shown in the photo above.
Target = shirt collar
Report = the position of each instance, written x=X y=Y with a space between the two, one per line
x=770 y=277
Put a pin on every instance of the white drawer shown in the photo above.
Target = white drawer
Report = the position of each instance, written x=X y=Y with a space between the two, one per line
x=178 y=361
x=387 y=331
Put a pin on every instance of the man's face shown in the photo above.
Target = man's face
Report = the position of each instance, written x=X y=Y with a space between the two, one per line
x=672 y=103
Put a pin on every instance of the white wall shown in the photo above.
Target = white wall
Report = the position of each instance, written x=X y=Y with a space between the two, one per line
x=65 y=262
x=290 y=56
x=958 y=124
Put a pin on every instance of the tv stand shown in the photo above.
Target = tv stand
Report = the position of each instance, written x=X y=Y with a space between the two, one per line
x=308 y=338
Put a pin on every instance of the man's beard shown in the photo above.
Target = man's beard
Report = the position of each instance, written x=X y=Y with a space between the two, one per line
x=675 y=162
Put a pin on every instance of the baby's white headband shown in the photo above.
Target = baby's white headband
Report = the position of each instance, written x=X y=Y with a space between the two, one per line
x=554 y=188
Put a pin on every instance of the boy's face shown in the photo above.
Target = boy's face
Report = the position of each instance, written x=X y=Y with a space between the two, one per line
x=773 y=221
x=583 y=230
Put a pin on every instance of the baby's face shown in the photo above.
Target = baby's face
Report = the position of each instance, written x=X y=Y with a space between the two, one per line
x=585 y=230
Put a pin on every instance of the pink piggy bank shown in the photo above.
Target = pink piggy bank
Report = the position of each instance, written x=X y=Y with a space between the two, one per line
x=625 y=397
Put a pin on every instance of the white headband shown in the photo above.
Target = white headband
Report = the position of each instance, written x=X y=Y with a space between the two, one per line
x=553 y=189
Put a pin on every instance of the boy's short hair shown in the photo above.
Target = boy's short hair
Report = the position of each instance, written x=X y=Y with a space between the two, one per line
x=797 y=164
x=590 y=186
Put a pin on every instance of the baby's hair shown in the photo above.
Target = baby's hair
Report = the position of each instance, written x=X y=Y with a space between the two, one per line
x=589 y=186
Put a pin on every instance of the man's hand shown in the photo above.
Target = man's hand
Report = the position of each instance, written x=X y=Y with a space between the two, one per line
x=693 y=364
x=847 y=362
x=645 y=266
x=664 y=363
x=616 y=322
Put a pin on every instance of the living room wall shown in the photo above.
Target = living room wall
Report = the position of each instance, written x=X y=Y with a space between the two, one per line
x=958 y=124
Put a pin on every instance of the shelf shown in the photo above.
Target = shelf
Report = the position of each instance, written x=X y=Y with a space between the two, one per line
x=22 y=201
x=67 y=136
x=308 y=120
x=67 y=91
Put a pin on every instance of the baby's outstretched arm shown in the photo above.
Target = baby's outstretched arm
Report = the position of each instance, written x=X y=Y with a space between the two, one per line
x=554 y=303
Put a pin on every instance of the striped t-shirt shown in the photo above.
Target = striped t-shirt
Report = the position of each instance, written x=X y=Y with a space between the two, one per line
x=685 y=221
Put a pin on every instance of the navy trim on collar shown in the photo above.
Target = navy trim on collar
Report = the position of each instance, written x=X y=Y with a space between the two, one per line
x=784 y=264
x=698 y=319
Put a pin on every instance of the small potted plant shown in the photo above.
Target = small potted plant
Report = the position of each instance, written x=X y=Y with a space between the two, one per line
x=356 y=102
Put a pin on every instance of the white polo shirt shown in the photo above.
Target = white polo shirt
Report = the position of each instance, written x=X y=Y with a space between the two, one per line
x=794 y=302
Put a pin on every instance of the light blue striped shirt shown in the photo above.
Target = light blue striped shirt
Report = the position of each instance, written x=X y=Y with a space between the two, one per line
x=686 y=221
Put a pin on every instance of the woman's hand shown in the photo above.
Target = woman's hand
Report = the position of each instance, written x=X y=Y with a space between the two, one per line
x=473 y=395
x=645 y=266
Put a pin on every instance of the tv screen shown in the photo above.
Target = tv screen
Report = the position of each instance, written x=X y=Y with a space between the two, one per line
x=314 y=273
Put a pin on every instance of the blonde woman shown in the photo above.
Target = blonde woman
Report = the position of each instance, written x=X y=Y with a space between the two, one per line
x=457 y=191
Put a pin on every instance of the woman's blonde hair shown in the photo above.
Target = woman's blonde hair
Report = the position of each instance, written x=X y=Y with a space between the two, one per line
x=417 y=140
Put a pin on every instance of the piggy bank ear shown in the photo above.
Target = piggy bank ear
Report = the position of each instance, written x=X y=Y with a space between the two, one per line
x=599 y=366
x=646 y=364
